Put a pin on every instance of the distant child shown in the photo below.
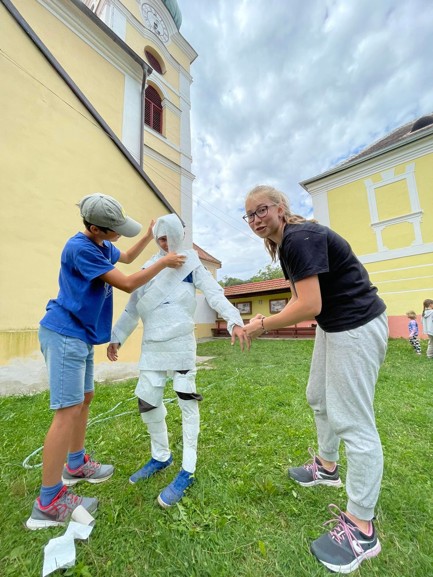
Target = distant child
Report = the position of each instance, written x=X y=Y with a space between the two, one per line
x=166 y=306
x=427 y=325
x=76 y=320
x=413 y=331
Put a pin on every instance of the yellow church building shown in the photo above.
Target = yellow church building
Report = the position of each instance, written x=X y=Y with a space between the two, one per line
x=95 y=98
x=381 y=201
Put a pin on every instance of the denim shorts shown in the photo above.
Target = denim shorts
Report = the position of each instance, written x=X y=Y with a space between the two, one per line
x=70 y=368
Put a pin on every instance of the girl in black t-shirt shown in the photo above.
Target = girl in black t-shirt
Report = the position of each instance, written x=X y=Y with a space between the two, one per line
x=330 y=284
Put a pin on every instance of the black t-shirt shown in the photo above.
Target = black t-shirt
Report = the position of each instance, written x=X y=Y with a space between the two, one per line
x=349 y=300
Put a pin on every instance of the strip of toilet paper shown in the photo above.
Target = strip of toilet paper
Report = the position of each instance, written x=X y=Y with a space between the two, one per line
x=59 y=553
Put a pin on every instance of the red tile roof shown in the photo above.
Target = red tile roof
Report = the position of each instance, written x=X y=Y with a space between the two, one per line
x=205 y=255
x=276 y=284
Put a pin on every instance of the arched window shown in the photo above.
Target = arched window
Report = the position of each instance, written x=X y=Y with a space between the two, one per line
x=154 y=61
x=153 y=109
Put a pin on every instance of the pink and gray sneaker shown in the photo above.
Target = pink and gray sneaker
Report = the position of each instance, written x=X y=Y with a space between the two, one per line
x=343 y=549
x=59 y=510
x=90 y=471
x=314 y=473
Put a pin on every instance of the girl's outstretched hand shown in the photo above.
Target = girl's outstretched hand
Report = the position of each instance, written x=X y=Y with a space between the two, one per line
x=254 y=328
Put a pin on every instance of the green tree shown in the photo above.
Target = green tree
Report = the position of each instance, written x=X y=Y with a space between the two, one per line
x=231 y=281
x=270 y=272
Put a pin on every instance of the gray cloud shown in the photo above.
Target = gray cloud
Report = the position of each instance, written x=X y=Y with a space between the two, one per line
x=285 y=89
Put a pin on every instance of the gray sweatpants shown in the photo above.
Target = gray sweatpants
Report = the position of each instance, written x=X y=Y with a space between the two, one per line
x=343 y=375
x=430 y=347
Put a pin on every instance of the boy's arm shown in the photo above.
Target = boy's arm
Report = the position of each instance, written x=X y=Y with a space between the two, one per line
x=128 y=283
x=132 y=253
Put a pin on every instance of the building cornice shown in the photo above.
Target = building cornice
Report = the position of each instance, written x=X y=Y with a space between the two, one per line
x=400 y=152
x=368 y=167
x=396 y=253
x=151 y=153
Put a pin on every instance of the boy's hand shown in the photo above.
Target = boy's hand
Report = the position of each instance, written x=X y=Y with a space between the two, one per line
x=149 y=232
x=174 y=260
x=112 y=351
x=244 y=340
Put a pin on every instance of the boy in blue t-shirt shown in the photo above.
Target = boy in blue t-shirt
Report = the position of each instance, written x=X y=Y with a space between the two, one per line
x=80 y=317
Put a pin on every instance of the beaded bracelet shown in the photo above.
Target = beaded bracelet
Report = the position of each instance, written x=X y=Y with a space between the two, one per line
x=263 y=326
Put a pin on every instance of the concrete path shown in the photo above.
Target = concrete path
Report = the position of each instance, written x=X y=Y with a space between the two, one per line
x=29 y=376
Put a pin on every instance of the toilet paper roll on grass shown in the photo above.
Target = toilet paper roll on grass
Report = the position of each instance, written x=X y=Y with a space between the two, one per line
x=82 y=516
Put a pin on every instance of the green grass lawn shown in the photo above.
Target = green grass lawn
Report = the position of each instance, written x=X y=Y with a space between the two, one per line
x=243 y=517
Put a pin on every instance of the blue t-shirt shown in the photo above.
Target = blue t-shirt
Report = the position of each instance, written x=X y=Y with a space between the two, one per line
x=84 y=306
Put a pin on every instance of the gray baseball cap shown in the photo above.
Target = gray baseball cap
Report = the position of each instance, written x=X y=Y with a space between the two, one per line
x=103 y=210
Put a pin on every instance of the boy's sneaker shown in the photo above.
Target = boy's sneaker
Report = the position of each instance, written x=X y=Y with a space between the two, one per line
x=150 y=468
x=59 y=510
x=314 y=473
x=90 y=471
x=174 y=492
x=343 y=549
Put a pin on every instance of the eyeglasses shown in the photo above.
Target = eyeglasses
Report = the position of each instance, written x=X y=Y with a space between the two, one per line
x=260 y=212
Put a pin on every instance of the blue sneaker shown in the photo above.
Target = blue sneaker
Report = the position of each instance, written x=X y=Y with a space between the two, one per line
x=150 y=468
x=174 y=492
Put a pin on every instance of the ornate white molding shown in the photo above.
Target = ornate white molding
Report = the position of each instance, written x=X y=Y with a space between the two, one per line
x=414 y=217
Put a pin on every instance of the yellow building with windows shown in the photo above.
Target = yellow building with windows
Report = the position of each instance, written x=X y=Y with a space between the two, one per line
x=95 y=98
x=381 y=201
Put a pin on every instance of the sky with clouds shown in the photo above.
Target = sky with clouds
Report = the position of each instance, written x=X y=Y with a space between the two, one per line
x=285 y=89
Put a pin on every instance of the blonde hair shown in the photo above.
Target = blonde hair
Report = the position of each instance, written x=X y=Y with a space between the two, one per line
x=289 y=218
x=411 y=314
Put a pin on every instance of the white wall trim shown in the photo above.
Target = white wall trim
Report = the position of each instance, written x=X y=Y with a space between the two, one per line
x=166 y=103
x=183 y=45
x=161 y=137
x=118 y=23
x=396 y=253
x=414 y=217
x=151 y=153
x=321 y=207
x=411 y=267
x=404 y=279
x=399 y=292
x=131 y=129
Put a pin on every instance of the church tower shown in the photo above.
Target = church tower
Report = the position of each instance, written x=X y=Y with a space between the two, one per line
x=156 y=122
